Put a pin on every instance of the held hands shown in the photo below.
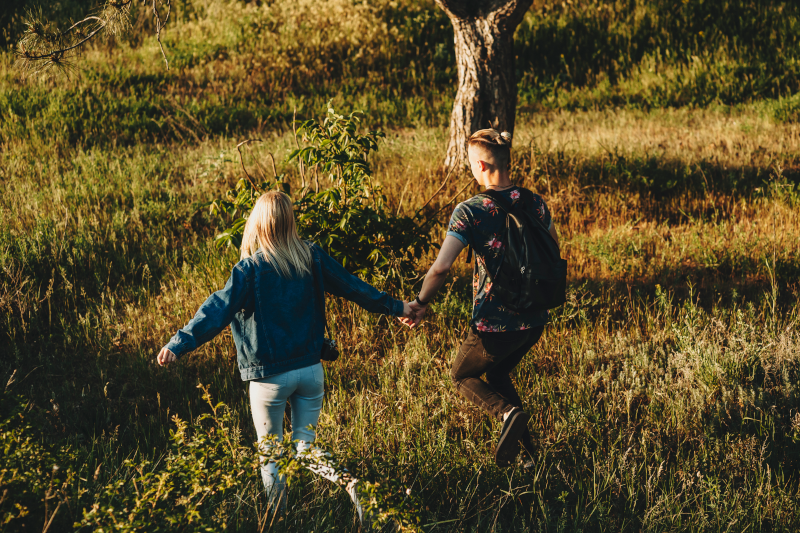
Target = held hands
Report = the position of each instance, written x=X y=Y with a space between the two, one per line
x=419 y=310
x=412 y=313
x=165 y=357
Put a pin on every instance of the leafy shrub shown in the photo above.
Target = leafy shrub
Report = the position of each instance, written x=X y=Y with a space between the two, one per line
x=196 y=487
x=35 y=479
x=349 y=218
x=187 y=490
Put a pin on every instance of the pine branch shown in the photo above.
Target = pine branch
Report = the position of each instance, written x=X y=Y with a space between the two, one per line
x=42 y=47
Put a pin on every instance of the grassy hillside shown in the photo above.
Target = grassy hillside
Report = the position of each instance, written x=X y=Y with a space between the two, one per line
x=664 y=393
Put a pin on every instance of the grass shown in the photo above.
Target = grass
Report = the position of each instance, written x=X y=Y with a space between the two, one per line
x=657 y=54
x=231 y=75
x=663 y=394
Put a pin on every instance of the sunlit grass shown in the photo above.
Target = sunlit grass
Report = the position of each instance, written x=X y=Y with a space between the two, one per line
x=663 y=394
x=665 y=387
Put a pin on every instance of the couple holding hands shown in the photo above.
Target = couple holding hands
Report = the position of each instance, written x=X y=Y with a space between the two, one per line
x=274 y=302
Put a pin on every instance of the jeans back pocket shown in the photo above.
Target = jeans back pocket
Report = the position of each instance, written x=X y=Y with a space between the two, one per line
x=319 y=374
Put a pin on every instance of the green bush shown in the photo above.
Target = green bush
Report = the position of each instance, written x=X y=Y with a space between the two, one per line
x=348 y=218
x=197 y=485
x=35 y=479
x=189 y=490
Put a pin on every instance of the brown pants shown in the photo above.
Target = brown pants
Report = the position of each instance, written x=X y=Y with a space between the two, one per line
x=496 y=355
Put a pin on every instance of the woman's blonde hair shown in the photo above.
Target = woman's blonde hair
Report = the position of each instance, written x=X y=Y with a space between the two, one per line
x=271 y=228
x=496 y=143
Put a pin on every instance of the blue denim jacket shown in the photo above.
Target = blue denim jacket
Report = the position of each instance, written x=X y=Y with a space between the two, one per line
x=277 y=323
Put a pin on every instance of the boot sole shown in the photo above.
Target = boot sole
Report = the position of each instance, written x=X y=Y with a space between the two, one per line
x=508 y=445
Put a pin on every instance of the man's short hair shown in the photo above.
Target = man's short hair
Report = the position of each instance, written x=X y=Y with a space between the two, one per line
x=496 y=143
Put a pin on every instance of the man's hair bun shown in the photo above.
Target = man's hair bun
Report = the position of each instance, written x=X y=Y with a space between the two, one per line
x=499 y=144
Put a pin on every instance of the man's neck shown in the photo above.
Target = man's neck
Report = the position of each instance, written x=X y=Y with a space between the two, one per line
x=498 y=182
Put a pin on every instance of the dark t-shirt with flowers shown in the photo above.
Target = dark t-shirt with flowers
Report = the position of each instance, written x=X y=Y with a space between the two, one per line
x=479 y=223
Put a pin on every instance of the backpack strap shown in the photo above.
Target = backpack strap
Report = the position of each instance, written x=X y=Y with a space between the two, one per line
x=525 y=194
x=500 y=201
x=528 y=196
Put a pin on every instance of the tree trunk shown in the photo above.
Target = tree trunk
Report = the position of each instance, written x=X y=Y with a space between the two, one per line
x=487 y=84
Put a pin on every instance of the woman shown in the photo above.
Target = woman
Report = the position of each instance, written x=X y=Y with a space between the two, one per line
x=274 y=302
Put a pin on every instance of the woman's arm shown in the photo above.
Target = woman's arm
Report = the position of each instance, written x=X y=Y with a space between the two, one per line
x=214 y=315
x=340 y=282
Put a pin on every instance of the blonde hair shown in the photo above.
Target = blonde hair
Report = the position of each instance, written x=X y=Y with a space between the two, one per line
x=271 y=228
x=496 y=143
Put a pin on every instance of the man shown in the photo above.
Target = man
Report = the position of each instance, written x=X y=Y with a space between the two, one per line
x=498 y=338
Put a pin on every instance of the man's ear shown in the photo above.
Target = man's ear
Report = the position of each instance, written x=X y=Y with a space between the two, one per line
x=483 y=165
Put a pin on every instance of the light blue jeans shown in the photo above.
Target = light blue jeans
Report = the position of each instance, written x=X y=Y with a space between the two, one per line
x=304 y=389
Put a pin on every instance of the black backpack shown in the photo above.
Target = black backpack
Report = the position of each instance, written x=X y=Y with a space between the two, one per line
x=532 y=276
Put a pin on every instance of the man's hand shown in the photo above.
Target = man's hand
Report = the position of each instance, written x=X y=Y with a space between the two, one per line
x=419 y=311
x=410 y=316
x=165 y=357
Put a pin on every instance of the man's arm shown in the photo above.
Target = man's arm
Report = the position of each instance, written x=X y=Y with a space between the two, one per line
x=554 y=233
x=437 y=274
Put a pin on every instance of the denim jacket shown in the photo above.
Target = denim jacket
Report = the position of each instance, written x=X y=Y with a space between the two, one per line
x=277 y=323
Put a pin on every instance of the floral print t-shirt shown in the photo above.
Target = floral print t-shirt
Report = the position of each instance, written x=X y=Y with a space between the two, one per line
x=479 y=223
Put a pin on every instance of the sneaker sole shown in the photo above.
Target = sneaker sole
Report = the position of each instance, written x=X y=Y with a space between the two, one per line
x=508 y=446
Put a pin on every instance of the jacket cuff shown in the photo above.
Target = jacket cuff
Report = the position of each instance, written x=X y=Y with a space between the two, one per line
x=397 y=308
x=178 y=348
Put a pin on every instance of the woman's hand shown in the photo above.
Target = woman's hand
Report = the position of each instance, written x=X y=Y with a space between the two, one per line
x=165 y=357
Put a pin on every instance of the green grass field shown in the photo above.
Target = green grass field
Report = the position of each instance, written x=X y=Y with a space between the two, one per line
x=664 y=394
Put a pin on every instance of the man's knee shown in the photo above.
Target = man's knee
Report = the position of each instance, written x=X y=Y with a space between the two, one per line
x=498 y=378
x=456 y=376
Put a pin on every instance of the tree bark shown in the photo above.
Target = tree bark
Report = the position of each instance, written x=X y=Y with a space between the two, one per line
x=487 y=84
